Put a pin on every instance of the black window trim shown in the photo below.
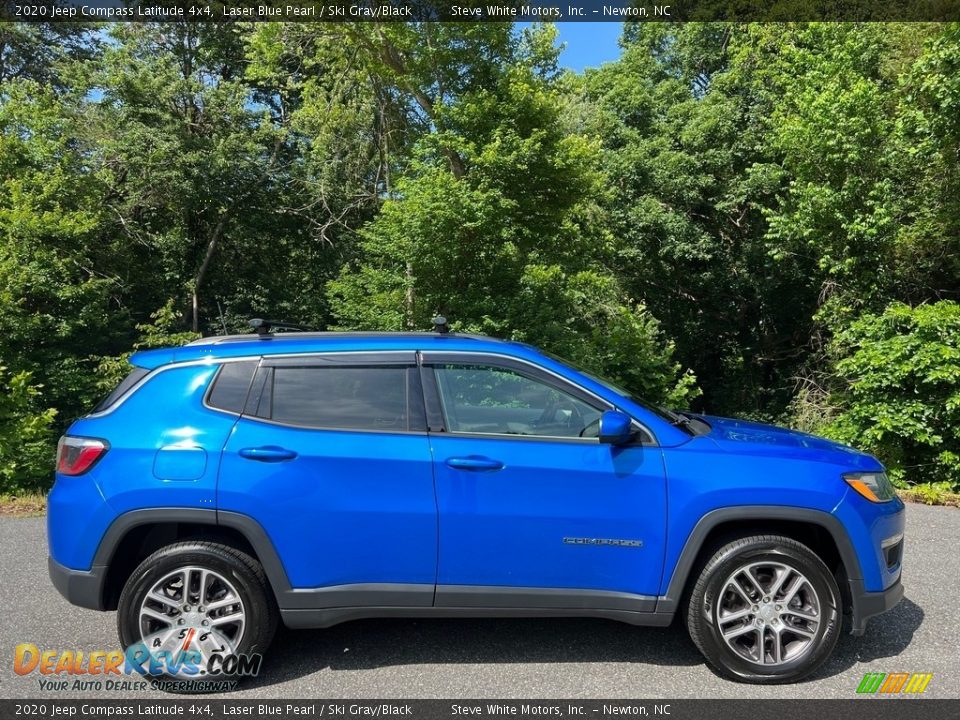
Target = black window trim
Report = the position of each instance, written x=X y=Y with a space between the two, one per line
x=261 y=379
x=341 y=358
x=525 y=368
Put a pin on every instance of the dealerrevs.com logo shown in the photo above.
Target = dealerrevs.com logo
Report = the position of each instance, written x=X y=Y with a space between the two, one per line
x=879 y=683
x=136 y=668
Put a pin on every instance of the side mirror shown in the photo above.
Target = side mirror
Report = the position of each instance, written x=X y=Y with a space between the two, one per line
x=616 y=428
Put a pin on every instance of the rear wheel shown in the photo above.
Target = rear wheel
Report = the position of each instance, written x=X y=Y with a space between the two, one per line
x=191 y=601
x=765 y=609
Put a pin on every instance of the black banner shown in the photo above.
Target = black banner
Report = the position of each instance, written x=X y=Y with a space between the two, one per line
x=873 y=708
x=474 y=11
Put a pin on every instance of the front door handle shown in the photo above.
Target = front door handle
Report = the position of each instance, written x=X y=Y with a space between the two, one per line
x=474 y=462
x=267 y=453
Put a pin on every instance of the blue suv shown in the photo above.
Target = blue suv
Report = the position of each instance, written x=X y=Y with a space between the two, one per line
x=317 y=478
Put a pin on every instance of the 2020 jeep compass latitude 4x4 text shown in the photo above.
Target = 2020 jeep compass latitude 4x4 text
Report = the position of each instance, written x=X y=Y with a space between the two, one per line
x=316 y=478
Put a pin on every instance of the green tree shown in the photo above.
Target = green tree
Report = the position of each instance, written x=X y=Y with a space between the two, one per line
x=865 y=135
x=496 y=221
x=26 y=450
x=193 y=165
x=46 y=52
x=775 y=206
x=901 y=398
x=56 y=285
x=771 y=182
x=684 y=118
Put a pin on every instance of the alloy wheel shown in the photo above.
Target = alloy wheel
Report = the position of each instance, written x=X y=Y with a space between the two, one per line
x=768 y=613
x=192 y=609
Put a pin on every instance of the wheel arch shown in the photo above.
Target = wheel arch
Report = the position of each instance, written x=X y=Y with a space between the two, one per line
x=134 y=535
x=816 y=528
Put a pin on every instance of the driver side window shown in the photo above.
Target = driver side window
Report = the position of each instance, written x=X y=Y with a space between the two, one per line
x=498 y=401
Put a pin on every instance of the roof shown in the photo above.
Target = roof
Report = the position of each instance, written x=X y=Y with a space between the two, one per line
x=229 y=346
x=215 y=348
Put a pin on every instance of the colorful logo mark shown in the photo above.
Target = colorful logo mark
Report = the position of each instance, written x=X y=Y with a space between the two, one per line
x=894 y=683
x=182 y=663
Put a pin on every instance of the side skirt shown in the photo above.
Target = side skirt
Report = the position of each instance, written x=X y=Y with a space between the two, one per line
x=334 y=616
x=325 y=607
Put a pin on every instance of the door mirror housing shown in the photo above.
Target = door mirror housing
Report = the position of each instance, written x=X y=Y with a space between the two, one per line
x=616 y=428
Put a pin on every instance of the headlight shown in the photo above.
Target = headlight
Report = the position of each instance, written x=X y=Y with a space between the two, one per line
x=874 y=486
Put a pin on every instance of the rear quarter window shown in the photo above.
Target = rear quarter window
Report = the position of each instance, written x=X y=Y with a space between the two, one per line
x=135 y=376
x=230 y=387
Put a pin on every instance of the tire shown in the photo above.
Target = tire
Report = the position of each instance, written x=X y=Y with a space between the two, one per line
x=797 y=633
x=231 y=578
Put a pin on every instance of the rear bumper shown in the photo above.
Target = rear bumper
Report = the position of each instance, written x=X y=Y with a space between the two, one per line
x=867 y=604
x=81 y=587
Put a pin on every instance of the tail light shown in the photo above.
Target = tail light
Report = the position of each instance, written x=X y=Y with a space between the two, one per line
x=76 y=455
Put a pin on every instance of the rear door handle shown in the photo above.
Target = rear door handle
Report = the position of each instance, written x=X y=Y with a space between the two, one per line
x=267 y=453
x=474 y=462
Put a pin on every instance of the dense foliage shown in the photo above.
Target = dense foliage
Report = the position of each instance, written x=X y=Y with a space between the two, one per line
x=758 y=220
x=25 y=433
x=900 y=391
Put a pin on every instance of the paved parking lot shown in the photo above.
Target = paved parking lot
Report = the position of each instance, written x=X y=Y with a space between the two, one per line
x=514 y=658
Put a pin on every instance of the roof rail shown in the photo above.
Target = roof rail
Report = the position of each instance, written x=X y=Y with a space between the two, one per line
x=263 y=330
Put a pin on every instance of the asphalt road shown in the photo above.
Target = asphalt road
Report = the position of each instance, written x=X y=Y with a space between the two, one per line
x=513 y=658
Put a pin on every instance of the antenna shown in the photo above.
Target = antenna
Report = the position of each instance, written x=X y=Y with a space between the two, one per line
x=223 y=323
x=440 y=325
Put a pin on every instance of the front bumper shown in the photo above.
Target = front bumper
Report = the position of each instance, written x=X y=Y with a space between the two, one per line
x=80 y=587
x=867 y=604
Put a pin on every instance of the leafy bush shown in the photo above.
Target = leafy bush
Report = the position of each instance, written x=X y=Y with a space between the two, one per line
x=902 y=397
x=933 y=494
x=585 y=318
x=26 y=447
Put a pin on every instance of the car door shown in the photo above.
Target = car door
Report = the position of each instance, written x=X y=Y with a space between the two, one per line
x=531 y=513
x=331 y=458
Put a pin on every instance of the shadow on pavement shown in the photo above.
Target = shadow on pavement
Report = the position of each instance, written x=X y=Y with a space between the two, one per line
x=368 y=644
x=887 y=636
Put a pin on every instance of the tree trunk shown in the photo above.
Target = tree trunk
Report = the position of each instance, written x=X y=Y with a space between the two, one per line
x=215 y=238
x=202 y=272
x=392 y=58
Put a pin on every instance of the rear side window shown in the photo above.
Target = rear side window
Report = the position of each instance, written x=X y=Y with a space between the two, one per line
x=135 y=376
x=229 y=391
x=347 y=398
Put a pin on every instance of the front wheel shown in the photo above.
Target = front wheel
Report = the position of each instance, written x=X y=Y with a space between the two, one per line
x=765 y=609
x=189 y=607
